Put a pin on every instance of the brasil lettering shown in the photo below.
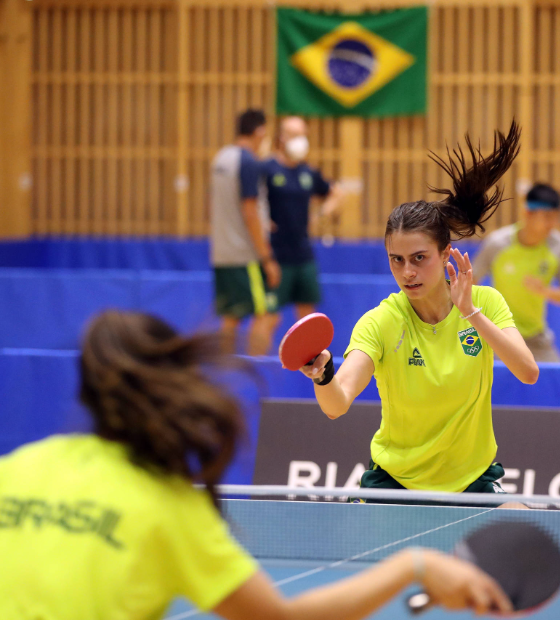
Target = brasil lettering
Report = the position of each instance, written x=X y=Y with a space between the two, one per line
x=83 y=517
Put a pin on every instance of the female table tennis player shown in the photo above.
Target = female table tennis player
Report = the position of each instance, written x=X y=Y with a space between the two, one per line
x=431 y=346
x=109 y=526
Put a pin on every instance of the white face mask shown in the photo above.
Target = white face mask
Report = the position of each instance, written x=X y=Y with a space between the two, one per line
x=297 y=148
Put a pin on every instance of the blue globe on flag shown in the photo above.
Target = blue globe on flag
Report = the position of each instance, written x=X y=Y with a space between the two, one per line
x=351 y=63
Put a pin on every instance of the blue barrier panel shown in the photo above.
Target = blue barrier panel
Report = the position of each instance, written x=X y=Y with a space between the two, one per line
x=38 y=397
x=47 y=309
x=185 y=300
x=38 y=391
x=164 y=253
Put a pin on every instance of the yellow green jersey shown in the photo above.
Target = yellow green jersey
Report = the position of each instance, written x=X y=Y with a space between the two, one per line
x=509 y=263
x=435 y=384
x=86 y=534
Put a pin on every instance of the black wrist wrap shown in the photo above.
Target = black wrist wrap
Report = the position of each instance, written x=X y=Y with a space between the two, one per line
x=328 y=374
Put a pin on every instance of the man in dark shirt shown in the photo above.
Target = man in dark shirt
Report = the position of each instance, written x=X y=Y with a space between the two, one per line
x=290 y=185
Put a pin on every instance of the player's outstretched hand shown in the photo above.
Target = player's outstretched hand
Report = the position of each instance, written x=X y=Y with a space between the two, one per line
x=461 y=281
x=456 y=584
x=318 y=367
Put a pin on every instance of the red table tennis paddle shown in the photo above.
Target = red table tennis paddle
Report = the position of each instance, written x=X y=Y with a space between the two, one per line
x=522 y=557
x=304 y=341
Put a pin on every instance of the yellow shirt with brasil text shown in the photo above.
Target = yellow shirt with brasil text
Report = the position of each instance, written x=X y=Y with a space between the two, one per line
x=85 y=534
x=436 y=429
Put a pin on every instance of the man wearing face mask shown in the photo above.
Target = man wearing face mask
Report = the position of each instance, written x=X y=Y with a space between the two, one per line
x=290 y=185
x=523 y=259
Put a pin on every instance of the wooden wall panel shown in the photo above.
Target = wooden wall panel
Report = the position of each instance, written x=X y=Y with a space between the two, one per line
x=104 y=94
x=132 y=99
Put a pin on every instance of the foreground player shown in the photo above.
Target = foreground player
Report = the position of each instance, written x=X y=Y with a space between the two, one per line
x=431 y=346
x=108 y=525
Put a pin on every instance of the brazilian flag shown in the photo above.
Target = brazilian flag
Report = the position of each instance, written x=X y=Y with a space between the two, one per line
x=370 y=64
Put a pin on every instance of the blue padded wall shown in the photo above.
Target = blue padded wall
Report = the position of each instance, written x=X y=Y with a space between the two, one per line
x=167 y=254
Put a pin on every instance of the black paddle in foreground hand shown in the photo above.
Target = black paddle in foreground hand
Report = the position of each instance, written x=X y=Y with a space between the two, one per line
x=522 y=557
x=305 y=340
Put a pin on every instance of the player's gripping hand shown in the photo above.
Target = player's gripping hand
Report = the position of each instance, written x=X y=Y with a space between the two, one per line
x=456 y=584
x=316 y=370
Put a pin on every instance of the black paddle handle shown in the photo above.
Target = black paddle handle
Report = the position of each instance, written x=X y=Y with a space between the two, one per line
x=419 y=603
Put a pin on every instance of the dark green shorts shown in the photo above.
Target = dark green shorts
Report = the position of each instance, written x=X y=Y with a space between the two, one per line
x=241 y=291
x=377 y=478
x=299 y=285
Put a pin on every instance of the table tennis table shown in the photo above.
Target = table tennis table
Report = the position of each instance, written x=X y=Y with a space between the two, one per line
x=305 y=544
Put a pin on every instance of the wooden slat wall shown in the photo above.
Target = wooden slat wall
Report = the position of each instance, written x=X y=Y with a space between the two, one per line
x=104 y=94
x=132 y=99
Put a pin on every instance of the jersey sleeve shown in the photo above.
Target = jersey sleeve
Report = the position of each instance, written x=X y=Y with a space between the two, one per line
x=209 y=564
x=249 y=174
x=495 y=307
x=321 y=187
x=366 y=337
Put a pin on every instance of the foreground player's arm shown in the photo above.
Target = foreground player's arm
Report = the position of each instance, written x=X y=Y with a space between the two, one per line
x=507 y=343
x=349 y=382
x=449 y=582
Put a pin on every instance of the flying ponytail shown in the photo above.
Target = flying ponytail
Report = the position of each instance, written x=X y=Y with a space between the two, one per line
x=467 y=206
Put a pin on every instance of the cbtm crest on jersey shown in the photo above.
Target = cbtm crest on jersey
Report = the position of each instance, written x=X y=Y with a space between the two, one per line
x=470 y=341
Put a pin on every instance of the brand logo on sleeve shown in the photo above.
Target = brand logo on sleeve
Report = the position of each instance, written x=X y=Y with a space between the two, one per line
x=416 y=359
x=470 y=341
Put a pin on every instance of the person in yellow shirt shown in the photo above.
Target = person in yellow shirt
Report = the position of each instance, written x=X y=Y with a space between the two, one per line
x=523 y=259
x=110 y=526
x=431 y=346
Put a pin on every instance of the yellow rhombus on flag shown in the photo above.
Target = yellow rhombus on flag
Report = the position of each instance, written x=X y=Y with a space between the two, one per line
x=385 y=63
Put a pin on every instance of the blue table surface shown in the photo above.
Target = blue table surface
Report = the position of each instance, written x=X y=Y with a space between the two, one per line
x=296 y=542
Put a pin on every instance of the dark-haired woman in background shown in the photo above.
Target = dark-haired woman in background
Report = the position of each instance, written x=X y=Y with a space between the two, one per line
x=431 y=347
x=109 y=526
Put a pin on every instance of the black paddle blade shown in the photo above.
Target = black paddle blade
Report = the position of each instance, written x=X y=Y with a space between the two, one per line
x=522 y=557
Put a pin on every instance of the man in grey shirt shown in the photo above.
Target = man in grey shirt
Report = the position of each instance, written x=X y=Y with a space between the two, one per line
x=523 y=259
x=245 y=270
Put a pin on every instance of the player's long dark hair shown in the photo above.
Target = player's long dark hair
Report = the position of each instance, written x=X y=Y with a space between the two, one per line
x=148 y=387
x=467 y=205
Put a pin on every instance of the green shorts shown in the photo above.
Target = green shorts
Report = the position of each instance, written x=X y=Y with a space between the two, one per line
x=241 y=291
x=299 y=285
x=377 y=478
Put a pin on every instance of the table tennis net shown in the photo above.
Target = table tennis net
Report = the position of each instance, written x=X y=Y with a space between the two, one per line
x=320 y=525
